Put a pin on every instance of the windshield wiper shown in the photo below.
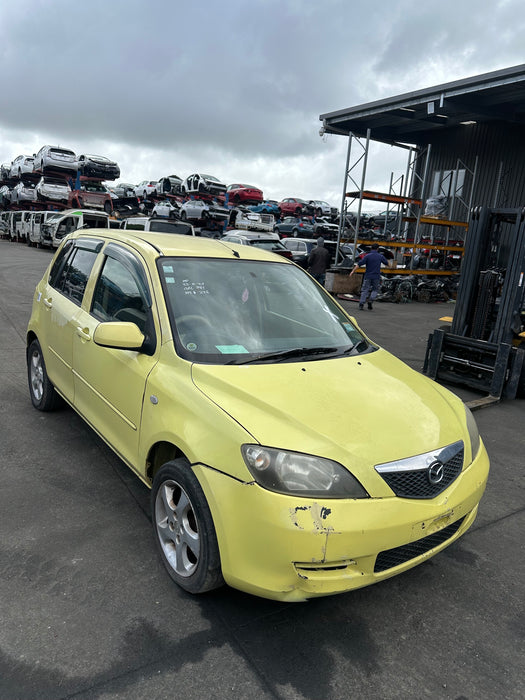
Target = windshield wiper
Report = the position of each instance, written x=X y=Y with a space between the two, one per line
x=284 y=355
x=355 y=346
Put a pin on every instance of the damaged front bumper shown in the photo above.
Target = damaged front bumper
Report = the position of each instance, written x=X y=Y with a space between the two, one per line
x=291 y=549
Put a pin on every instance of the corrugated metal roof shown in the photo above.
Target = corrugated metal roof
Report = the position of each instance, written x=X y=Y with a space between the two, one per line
x=411 y=117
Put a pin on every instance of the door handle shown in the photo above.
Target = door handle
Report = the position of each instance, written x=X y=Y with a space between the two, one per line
x=83 y=333
x=48 y=302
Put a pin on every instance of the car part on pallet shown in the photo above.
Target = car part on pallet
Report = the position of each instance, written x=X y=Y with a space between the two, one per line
x=484 y=349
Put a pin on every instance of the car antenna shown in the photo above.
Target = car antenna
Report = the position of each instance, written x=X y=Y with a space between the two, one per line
x=235 y=252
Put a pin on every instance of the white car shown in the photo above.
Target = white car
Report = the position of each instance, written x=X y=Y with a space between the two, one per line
x=250 y=221
x=196 y=209
x=320 y=208
x=54 y=188
x=21 y=165
x=146 y=188
x=23 y=192
x=51 y=158
x=203 y=184
x=166 y=209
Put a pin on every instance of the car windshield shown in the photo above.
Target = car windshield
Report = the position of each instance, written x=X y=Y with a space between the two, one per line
x=245 y=311
x=210 y=177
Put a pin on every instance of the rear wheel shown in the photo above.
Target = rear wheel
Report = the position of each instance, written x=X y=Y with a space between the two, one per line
x=41 y=390
x=295 y=232
x=184 y=530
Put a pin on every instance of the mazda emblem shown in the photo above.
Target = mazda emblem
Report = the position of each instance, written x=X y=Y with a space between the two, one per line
x=436 y=472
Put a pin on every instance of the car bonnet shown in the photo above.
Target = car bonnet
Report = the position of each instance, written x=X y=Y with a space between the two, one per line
x=357 y=410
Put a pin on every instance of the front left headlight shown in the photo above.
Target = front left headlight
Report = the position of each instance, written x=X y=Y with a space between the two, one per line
x=473 y=432
x=297 y=474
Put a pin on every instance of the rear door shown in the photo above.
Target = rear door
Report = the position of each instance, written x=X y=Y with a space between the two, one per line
x=61 y=301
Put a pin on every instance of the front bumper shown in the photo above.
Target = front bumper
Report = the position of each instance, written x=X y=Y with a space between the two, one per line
x=291 y=549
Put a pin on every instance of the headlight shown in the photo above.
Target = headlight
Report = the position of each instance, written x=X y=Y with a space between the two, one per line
x=473 y=432
x=300 y=474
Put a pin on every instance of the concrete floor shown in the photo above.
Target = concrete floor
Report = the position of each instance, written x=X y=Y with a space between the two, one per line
x=89 y=612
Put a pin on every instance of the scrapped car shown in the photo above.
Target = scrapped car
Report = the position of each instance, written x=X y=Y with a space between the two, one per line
x=250 y=221
x=198 y=183
x=5 y=196
x=123 y=189
x=287 y=454
x=320 y=208
x=167 y=208
x=292 y=206
x=244 y=194
x=324 y=227
x=21 y=165
x=269 y=206
x=259 y=240
x=52 y=188
x=55 y=158
x=5 y=171
x=294 y=226
x=171 y=184
x=57 y=226
x=158 y=225
x=302 y=247
x=23 y=192
x=199 y=210
x=35 y=235
x=98 y=166
x=146 y=188
x=91 y=195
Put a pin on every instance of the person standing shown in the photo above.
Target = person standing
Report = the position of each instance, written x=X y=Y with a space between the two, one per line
x=370 y=287
x=319 y=261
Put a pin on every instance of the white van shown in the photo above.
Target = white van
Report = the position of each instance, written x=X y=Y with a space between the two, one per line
x=35 y=229
x=5 y=223
x=58 y=225
x=146 y=223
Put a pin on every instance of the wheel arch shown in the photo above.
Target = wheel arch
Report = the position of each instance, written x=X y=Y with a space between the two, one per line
x=160 y=453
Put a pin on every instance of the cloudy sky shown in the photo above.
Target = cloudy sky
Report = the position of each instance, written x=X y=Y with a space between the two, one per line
x=233 y=88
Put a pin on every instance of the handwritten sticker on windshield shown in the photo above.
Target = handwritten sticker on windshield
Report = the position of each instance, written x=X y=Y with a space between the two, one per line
x=194 y=288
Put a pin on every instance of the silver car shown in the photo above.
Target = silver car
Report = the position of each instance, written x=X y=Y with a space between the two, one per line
x=51 y=158
x=23 y=192
x=21 y=165
x=54 y=188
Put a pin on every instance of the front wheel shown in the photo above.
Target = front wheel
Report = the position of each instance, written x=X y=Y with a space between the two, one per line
x=107 y=207
x=42 y=392
x=295 y=232
x=184 y=530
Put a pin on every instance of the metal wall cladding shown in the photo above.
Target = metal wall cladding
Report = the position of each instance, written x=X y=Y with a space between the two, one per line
x=500 y=149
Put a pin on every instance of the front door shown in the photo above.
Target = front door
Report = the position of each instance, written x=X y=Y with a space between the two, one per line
x=110 y=383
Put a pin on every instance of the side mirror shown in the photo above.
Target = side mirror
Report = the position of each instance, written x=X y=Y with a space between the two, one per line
x=120 y=335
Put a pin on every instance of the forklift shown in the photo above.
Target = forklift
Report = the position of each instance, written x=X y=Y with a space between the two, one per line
x=484 y=347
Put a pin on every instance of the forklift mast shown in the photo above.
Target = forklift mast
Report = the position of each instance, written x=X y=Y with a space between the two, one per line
x=482 y=350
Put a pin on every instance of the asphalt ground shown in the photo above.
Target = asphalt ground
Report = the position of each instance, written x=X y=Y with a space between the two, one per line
x=87 y=610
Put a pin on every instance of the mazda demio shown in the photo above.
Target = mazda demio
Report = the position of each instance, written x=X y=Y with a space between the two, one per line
x=288 y=455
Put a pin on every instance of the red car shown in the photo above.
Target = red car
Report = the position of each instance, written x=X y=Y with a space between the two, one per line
x=244 y=194
x=293 y=206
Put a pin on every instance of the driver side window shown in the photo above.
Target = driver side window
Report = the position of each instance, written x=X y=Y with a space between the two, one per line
x=118 y=295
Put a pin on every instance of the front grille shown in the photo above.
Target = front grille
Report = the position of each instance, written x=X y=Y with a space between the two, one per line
x=409 y=478
x=399 y=555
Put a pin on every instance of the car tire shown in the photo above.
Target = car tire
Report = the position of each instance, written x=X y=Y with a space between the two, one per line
x=108 y=208
x=318 y=212
x=295 y=232
x=184 y=530
x=183 y=216
x=41 y=390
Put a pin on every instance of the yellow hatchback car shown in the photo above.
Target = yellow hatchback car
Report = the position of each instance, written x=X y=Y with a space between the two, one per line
x=288 y=455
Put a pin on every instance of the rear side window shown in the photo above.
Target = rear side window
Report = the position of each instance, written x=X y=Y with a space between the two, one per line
x=70 y=275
